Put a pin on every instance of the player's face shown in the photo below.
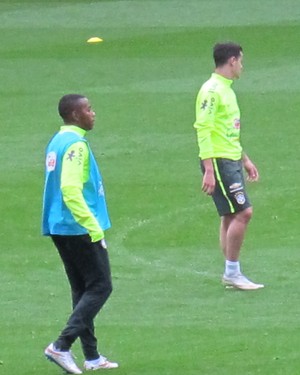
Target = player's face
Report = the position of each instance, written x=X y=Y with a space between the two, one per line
x=237 y=65
x=84 y=115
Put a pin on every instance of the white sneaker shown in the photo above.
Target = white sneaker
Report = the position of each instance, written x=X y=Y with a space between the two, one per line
x=240 y=281
x=100 y=363
x=62 y=359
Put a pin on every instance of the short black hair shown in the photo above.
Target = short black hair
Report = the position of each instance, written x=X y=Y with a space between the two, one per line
x=224 y=51
x=68 y=104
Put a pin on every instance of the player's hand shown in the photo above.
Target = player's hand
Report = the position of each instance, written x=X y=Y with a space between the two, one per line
x=103 y=243
x=252 y=172
x=208 y=182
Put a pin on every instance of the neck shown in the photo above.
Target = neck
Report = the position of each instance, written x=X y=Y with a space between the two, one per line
x=224 y=72
x=70 y=122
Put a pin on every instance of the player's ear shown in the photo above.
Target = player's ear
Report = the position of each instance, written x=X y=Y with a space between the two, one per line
x=74 y=115
x=232 y=60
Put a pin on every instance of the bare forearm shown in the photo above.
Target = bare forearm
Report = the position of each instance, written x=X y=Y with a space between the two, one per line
x=208 y=182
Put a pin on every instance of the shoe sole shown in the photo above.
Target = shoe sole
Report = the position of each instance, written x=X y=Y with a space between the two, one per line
x=242 y=287
x=100 y=368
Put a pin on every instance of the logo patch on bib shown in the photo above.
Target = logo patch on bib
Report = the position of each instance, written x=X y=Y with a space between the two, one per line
x=51 y=161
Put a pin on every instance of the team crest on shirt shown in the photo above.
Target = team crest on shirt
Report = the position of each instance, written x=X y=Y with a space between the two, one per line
x=237 y=123
x=240 y=197
x=51 y=161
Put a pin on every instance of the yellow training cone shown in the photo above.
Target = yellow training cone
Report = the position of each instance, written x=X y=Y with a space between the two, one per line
x=94 y=39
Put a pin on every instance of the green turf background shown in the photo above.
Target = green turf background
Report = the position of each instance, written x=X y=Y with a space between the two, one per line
x=168 y=313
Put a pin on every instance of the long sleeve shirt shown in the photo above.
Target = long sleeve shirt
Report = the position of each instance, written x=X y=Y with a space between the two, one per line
x=74 y=199
x=218 y=120
x=75 y=172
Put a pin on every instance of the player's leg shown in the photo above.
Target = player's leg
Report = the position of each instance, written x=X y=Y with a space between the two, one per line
x=235 y=210
x=236 y=229
x=93 y=265
x=225 y=222
x=96 y=272
x=59 y=351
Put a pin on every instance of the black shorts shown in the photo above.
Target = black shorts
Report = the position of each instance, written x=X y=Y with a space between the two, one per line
x=230 y=195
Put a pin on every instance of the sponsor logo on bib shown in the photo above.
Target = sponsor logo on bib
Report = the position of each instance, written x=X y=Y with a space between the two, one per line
x=51 y=161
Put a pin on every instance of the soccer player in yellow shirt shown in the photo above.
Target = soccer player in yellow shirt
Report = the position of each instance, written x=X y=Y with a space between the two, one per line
x=223 y=160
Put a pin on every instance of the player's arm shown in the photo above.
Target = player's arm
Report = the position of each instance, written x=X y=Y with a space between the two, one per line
x=208 y=181
x=250 y=167
x=74 y=164
x=206 y=107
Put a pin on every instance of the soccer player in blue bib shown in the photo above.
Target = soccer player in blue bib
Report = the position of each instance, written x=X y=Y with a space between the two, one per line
x=75 y=216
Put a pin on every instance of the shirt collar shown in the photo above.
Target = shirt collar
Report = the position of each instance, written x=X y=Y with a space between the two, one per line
x=226 y=81
x=73 y=128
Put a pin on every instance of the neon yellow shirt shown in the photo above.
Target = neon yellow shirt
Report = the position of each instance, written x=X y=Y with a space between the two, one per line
x=73 y=176
x=218 y=120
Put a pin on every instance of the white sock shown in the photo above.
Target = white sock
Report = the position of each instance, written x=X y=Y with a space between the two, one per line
x=232 y=268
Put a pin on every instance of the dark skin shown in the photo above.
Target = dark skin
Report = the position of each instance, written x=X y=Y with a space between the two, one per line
x=82 y=116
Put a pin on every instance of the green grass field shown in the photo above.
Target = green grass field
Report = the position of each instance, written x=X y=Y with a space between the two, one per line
x=169 y=314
